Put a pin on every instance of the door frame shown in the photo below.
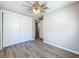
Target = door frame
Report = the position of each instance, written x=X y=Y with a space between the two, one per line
x=1 y=30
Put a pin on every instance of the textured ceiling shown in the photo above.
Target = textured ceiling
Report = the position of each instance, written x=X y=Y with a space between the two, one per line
x=17 y=6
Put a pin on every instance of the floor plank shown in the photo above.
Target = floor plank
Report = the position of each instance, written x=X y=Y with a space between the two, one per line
x=35 y=49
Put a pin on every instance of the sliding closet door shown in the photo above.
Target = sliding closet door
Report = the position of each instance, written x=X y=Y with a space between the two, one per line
x=16 y=29
x=10 y=29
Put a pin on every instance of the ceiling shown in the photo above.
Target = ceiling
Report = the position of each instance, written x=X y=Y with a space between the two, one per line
x=17 y=6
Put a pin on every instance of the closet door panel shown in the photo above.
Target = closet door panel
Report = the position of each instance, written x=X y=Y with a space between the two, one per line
x=10 y=29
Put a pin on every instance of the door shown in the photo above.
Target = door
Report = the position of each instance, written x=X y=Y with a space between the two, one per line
x=10 y=29
x=16 y=29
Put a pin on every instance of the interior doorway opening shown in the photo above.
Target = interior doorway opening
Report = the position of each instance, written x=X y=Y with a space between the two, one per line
x=37 y=29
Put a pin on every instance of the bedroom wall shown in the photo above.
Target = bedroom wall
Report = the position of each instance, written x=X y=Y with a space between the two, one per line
x=61 y=28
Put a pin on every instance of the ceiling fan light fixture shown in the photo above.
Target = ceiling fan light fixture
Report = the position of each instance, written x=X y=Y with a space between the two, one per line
x=36 y=8
x=36 y=11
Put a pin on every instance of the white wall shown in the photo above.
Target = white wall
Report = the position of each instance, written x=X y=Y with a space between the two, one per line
x=33 y=28
x=41 y=28
x=61 y=28
x=16 y=28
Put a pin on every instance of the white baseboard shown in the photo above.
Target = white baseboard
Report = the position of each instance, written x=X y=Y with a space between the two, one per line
x=0 y=48
x=75 y=52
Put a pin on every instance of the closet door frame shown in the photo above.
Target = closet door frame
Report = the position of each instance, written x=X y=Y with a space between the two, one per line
x=1 y=41
x=5 y=39
x=2 y=24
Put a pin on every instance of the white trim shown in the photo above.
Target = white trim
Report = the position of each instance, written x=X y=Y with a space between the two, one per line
x=5 y=11
x=14 y=13
x=0 y=48
x=63 y=48
x=1 y=30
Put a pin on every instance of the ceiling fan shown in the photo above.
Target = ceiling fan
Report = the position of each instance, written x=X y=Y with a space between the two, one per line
x=36 y=7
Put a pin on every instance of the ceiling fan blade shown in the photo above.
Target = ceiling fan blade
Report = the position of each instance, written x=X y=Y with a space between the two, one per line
x=29 y=9
x=31 y=12
x=42 y=5
x=45 y=8
x=43 y=11
x=28 y=3
x=27 y=6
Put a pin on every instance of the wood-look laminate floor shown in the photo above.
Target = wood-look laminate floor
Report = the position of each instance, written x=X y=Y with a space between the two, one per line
x=35 y=49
